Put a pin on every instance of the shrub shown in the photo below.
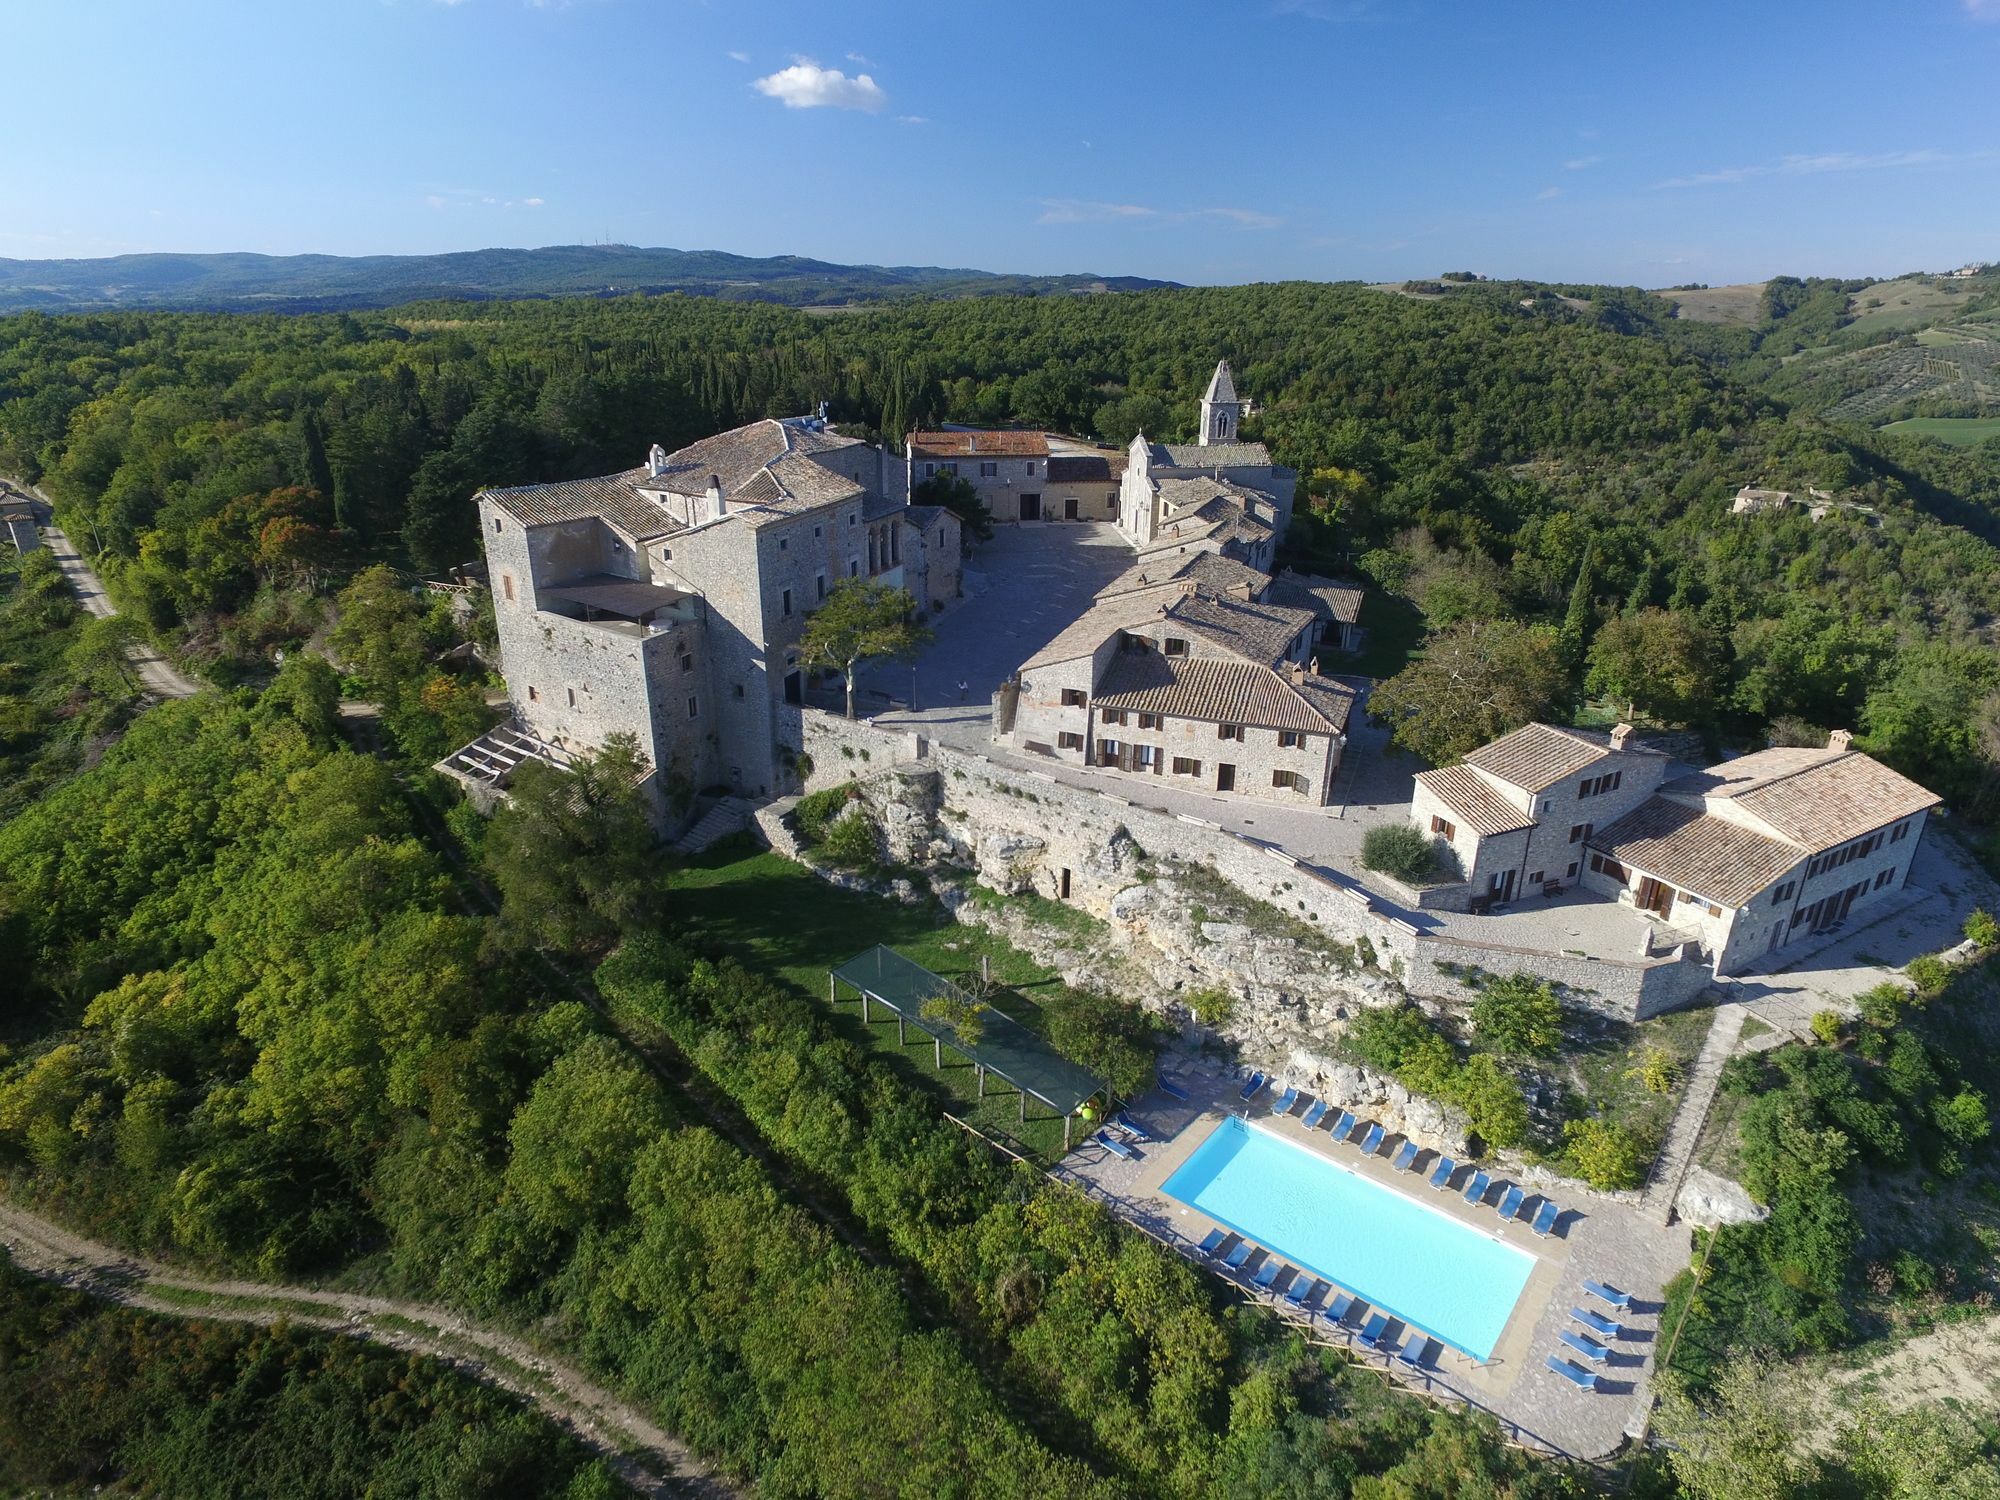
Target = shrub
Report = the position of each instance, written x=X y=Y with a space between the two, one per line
x=1604 y=1154
x=1982 y=928
x=1742 y=1075
x=1657 y=1072
x=1963 y=1117
x=1399 y=850
x=816 y=811
x=1882 y=1005
x=851 y=841
x=1519 y=1016
x=1828 y=1025
x=1493 y=1101
x=1212 y=1007
x=1929 y=973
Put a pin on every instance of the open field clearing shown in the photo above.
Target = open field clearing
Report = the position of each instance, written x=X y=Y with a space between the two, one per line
x=1741 y=304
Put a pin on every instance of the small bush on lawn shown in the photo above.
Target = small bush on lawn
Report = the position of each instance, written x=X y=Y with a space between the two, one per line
x=850 y=842
x=1929 y=973
x=1983 y=928
x=1398 y=849
x=1882 y=1005
x=1828 y=1025
x=816 y=811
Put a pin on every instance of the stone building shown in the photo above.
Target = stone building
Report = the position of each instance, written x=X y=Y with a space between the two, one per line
x=1518 y=813
x=1155 y=493
x=668 y=601
x=1765 y=850
x=1207 y=688
x=1008 y=470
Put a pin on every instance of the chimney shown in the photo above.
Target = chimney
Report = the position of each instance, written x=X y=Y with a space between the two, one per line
x=1621 y=736
x=717 y=506
x=972 y=442
x=1840 y=739
x=1240 y=591
x=656 y=461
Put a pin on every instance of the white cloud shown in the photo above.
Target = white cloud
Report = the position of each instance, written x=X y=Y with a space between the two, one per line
x=435 y=200
x=1805 y=165
x=859 y=61
x=1580 y=163
x=806 y=85
x=1089 y=211
x=913 y=119
x=1547 y=193
x=742 y=57
x=531 y=202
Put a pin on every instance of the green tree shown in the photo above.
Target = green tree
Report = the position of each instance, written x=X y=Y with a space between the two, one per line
x=1744 y=1440
x=957 y=495
x=1474 y=682
x=1605 y=1154
x=1125 y=417
x=1493 y=1101
x=862 y=619
x=1518 y=1016
x=572 y=850
x=1401 y=850
x=1573 y=640
x=1656 y=662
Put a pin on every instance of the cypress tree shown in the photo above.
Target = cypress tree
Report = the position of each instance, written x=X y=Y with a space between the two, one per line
x=1574 y=637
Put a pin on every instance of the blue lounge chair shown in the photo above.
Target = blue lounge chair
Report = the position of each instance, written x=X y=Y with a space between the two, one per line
x=1475 y=1190
x=1338 y=1306
x=1405 y=1157
x=1389 y=1349
x=1300 y=1289
x=1212 y=1242
x=1575 y=1374
x=1250 y=1089
x=1585 y=1345
x=1241 y=1254
x=1130 y=1126
x=1546 y=1216
x=1441 y=1177
x=1268 y=1276
x=1511 y=1200
x=1371 y=1334
x=1115 y=1146
x=1416 y=1351
x=1171 y=1089
x=1620 y=1300
x=1285 y=1101
x=1596 y=1322
x=1372 y=1142
x=1344 y=1126
x=1315 y=1114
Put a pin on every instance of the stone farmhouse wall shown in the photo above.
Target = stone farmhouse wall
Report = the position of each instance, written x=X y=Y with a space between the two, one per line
x=1039 y=833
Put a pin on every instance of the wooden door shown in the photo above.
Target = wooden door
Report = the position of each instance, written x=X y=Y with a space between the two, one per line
x=1225 y=777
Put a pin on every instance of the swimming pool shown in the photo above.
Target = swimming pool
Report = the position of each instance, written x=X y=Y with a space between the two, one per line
x=1396 y=1253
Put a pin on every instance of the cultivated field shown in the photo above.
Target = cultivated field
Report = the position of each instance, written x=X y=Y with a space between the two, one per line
x=1742 y=304
x=1911 y=302
x=1960 y=432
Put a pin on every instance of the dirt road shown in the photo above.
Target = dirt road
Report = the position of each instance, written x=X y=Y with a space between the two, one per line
x=648 y=1459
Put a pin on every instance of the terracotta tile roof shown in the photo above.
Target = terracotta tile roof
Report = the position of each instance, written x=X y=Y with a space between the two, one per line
x=1222 y=692
x=1814 y=798
x=1111 y=612
x=1209 y=456
x=1214 y=571
x=1086 y=468
x=1333 y=599
x=1537 y=756
x=979 y=444
x=615 y=497
x=1473 y=798
x=736 y=456
x=1696 y=851
x=1261 y=633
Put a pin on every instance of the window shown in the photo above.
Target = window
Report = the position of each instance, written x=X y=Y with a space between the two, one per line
x=1580 y=832
x=694 y=708
x=850 y=518
x=929 y=470
x=1069 y=741
x=507 y=586
x=1547 y=804
x=1291 y=739
x=1605 y=866
x=988 y=470
x=687 y=661
x=1146 y=757
x=784 y=544
x=1174 y=646
x=496 y=523
x=1149 y=721
x=1536 y=878
x=1714 y=910
x=1031 y=468
x=1185 y=767
x=1882 y=877
x=1113 y=715
x=895 y=544
x=666 y=554
x=1289 y=780
x=948 y=468
x=572 y=696
x=853 y=568
x=1597 y=786
x=1572 y=872
x=1901 y=830
x=816 y=533
x=739 y=689
x=819 y=585
x=1107 y=752
x=1229 y=731
x=786 y=608
x=1072 y=698
x=1443 y=829
x=1784 y=893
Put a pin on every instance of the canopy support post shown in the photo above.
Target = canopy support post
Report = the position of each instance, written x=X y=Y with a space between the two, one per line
x=902 y=1032
x=982 y=1083
x=1066 y=1120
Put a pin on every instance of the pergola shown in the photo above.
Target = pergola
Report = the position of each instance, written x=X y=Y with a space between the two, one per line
x=1005 y=1047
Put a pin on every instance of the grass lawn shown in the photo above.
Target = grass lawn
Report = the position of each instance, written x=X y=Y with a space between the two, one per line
x=1960 y=432
x=774 y=916
x=1395 y=627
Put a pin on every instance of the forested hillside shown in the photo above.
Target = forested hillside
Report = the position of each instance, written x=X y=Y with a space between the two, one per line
x=1567 y=469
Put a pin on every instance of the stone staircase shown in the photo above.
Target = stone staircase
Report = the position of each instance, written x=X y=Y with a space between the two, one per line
x=730 y=815
x=768 y=822
x=1677 y=1154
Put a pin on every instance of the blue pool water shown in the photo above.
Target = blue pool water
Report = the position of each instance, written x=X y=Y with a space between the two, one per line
x=1394 y=1252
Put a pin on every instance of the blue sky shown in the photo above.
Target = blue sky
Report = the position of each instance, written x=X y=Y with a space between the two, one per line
x=1233 y=141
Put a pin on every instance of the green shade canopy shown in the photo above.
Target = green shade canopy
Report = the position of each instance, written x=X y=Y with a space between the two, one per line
x=1006 y=1047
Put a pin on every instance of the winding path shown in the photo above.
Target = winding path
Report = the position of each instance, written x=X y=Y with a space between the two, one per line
x=647 y=1458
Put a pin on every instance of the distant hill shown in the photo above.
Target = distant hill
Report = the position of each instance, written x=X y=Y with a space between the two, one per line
x=237 y=282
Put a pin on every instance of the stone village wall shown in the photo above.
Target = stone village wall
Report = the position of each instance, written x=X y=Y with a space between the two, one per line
x=1028 y=831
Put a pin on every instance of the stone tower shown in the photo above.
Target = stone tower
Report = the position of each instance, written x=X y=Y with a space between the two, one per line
x=1220 y=410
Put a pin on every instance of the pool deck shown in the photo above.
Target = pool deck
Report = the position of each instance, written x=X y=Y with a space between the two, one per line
x=1595 y=1239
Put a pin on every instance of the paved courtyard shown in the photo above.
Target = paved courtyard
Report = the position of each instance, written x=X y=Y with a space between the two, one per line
x=1595 y=1238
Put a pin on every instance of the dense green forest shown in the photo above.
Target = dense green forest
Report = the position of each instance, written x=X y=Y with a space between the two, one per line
x=97 y=1398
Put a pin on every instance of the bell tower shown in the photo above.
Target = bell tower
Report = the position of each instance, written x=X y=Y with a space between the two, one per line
x=1221 y=412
